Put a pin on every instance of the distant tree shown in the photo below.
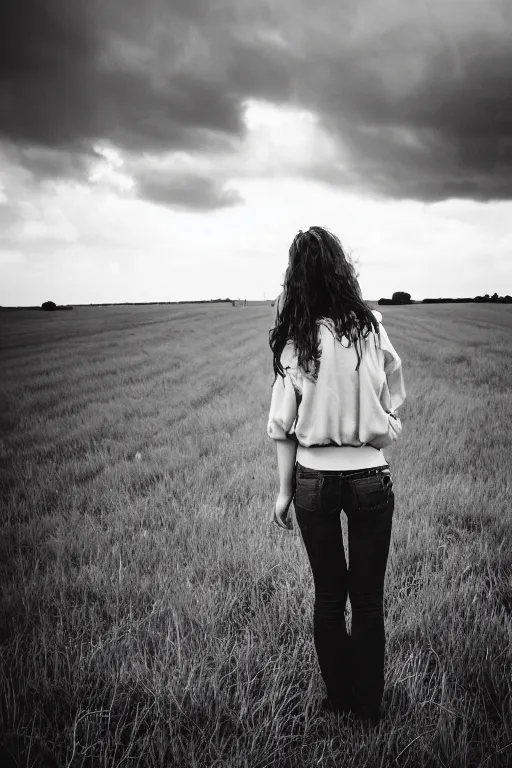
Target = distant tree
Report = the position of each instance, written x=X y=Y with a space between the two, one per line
x=385 y=301
x=48 y=306
x=494 y=297
x=507 y=299
x=400 y=297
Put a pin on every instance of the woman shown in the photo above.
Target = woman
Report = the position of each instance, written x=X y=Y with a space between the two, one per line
x=338 y=382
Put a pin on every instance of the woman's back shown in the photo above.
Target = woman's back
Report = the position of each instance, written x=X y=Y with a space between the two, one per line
x=345 y=406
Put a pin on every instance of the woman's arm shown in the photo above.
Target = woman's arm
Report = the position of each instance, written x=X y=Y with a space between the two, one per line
x=286 y=455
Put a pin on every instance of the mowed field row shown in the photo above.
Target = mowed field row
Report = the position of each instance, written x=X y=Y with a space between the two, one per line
x=150 y=612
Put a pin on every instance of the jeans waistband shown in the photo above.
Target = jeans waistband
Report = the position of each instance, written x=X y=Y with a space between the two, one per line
x=365 y=472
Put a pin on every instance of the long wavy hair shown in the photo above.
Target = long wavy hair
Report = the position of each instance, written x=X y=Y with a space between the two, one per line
x=320 y=282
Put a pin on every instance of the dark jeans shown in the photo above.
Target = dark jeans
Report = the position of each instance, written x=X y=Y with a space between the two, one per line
x=352 y=666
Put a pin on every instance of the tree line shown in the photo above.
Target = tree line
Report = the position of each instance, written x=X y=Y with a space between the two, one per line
x=401 y=297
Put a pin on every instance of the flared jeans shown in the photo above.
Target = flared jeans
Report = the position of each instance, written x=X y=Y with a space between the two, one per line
x=352 y=666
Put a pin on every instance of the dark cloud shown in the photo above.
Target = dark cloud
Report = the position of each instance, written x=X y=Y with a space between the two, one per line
x=74 y=75
x=442 y=131
x=185 y=191
x=67 y=78
x=47 y=162
x=417 y=96
x=47 y=79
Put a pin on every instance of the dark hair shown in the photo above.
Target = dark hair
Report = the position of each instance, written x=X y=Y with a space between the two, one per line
x=320 y=281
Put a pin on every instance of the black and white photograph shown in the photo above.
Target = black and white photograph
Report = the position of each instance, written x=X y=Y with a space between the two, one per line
x=255 y=384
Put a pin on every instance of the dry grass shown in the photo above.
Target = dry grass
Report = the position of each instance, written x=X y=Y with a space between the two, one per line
x=152 y=616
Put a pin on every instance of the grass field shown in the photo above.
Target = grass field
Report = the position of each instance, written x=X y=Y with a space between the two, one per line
x=151 y=615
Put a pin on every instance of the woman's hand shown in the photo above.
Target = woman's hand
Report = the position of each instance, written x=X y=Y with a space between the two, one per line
x=281 y=516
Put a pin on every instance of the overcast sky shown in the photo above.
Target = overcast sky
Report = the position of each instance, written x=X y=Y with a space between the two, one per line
x=171 y=149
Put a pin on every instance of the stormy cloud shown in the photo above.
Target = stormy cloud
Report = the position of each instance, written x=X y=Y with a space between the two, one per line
x=417 y=97
x=185 y=191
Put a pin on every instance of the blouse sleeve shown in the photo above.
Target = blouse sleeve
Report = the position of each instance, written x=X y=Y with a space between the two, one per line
x=393 y=371
x=283 y=409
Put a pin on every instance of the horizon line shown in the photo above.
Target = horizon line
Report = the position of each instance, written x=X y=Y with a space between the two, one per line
x=231 y=301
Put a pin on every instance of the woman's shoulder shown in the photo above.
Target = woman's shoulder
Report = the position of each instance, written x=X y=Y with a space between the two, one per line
x=377 y=314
